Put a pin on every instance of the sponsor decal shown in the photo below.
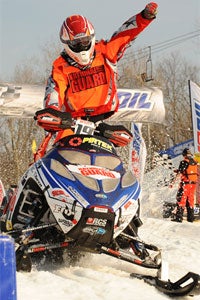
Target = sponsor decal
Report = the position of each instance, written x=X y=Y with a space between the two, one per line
x=120 y=202
x=87 y=79
x=197 y=127
x=101 y=231
x=75 y=141
x=36 y=176
x=94 y=230
x=195 y=104
x=95 y=172
x=135 y=163
x=97 y=142
x=135 y=100
x=178 y=148
x=102 y=196
x=60 y=195
x=66 y=223
x=57 y=208
x=90 y=230
x=84 y=127
x=196 y=210
x=66 y=212
x=96 y=222
x=58 y=192
x=77 y=196
x=138 y=152
x=87 y=171
x=101 y=209
x=126 y=205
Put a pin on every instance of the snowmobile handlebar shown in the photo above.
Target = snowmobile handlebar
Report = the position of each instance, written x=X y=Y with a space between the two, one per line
x=53 y=120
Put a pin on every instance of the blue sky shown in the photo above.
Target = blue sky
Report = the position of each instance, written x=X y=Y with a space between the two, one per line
x=25 y=25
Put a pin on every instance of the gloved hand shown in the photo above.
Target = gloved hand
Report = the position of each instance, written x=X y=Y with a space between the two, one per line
x=53 y=120
x=117 y=134
x=150 y=11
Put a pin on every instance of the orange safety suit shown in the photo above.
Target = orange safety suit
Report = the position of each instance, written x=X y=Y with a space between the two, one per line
x=91 y=91
x=187 y=188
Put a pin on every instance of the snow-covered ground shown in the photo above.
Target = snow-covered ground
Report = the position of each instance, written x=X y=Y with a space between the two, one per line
x=99 y=277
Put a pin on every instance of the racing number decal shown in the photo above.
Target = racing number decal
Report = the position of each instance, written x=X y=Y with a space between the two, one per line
x=84 y=129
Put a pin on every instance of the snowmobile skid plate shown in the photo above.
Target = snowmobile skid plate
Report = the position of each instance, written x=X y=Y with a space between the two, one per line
x=187 y=285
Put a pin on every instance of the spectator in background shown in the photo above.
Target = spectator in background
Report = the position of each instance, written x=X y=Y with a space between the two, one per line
x=186 y=193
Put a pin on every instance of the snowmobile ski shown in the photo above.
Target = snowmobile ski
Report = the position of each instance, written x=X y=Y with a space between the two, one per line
x=187 y=285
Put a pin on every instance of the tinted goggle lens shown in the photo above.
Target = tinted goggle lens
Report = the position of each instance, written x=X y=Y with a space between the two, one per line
x=80 y=44
x=84 y=40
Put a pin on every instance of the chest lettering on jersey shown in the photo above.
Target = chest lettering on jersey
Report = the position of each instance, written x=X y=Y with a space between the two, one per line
x=87 y=79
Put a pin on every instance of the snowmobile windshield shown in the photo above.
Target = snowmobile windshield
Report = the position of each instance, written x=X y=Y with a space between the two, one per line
x=77 y=157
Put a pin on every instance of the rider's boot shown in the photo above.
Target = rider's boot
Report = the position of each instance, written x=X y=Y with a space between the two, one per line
x=190 y=214
x=178 y=216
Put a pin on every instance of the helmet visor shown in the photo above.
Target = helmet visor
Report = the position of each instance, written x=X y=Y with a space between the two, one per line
x=80 y=44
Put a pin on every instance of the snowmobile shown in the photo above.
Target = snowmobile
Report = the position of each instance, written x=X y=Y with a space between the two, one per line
x=78 y=197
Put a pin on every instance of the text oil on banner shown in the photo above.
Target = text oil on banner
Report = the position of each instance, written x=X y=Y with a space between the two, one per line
x=135 y=105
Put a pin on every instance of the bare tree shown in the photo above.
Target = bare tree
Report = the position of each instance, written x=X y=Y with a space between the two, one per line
x=35 y=70
x=172 y=75
x=50 y=51
x=28 y=72
x=16 y=138
x=130 y=69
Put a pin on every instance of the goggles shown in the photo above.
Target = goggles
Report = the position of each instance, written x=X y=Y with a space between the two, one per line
x=80 y=44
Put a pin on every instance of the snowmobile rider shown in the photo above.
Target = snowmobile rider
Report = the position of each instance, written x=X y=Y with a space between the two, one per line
x=186 y=192
x=83 y=81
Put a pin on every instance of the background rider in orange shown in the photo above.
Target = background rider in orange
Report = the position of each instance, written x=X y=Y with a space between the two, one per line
x=186 y=193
